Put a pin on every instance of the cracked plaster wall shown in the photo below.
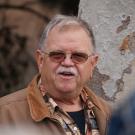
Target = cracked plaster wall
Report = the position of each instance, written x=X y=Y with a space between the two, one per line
x=113 y=23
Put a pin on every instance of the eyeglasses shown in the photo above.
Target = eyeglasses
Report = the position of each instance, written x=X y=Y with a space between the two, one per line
x=59 y=56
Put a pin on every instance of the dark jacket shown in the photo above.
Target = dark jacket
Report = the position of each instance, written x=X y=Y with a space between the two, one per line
x=122 y=121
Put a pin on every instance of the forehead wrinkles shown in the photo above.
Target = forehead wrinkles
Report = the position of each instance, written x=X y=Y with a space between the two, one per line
x=70 y=27
x=65 y=28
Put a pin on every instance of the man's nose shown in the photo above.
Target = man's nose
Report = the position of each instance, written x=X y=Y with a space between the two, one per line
x=67 y=61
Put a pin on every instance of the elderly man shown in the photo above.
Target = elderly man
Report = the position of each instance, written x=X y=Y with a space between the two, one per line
x=57 y=101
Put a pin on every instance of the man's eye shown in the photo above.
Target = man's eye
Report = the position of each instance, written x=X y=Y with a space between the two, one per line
x=80 y=55
x=56 y=55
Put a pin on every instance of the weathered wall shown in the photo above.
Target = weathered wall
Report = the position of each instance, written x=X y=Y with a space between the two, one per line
x=113 y=24
x=21 y=24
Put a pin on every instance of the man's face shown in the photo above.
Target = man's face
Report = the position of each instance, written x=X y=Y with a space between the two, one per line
x=66 y=78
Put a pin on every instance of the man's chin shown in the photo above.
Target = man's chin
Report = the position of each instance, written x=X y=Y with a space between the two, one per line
x=67 y=88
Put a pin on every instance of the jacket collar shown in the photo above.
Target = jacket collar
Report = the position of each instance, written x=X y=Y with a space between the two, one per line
x=37 y=106
x=101 y=110
x=39 y=110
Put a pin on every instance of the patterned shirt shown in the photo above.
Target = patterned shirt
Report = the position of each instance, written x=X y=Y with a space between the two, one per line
x=67 y=122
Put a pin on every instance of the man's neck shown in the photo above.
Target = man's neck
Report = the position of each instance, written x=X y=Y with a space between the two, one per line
x=70 y=105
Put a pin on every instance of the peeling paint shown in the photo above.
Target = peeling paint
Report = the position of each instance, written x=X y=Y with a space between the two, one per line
x=128 y=70
x=125 y=22
x=114 y=29
x=128 y=43
x=96 y=83
x=125 y=45
x=132 y=42
x=120 y=82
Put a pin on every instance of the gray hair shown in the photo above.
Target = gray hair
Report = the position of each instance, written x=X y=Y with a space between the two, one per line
x=65 y=20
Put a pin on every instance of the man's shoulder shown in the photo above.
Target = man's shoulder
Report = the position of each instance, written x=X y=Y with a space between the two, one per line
x=18 y=96
x=98 y=101
x=14 y=108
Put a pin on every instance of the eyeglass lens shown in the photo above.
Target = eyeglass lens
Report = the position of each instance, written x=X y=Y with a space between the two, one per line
x=77 y=57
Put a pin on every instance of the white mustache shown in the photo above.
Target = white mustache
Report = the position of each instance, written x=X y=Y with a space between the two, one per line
x=67 y=69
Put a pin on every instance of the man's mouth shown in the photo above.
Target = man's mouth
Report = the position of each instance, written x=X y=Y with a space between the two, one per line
x=66 y=73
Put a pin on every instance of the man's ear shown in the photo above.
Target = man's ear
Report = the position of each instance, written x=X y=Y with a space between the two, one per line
x=39 y=59
x=94 y=60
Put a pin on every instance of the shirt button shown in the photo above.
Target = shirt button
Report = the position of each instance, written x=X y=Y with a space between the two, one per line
x=75 y=128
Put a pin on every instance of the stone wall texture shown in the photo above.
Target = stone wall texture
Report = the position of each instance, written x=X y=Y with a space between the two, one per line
x=113 y=23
